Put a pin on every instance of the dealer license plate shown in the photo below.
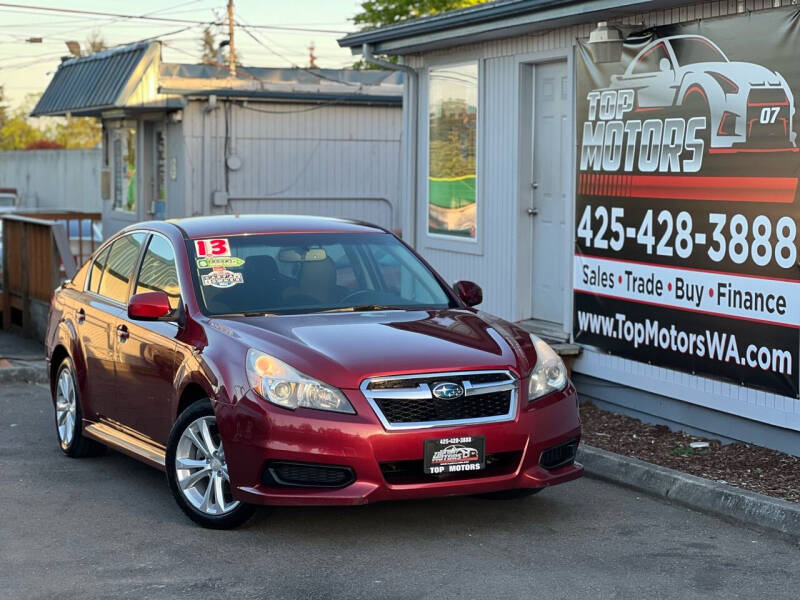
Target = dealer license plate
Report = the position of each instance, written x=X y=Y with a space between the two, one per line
x=444 y=456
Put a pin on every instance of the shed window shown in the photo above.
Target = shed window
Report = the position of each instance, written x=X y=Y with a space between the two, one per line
x=452 y=137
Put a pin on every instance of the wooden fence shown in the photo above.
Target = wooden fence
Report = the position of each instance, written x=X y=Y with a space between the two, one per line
x=38 y=254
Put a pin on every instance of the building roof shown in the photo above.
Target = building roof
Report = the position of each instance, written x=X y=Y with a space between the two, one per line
x=134 y=78
x=93 y=82
x=502 y=18
x=228 y=225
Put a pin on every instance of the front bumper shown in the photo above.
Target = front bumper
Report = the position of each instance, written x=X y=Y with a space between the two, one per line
x=255 y=433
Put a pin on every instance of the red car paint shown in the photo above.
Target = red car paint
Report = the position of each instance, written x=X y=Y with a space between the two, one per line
x=137 y=376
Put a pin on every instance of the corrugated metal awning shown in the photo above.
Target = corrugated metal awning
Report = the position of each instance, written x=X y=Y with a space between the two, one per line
x=91 y=84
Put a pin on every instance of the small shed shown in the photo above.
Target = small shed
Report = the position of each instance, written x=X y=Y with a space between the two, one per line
x=186 y=139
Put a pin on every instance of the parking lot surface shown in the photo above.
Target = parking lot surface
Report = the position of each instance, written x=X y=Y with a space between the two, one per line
x=108 y=528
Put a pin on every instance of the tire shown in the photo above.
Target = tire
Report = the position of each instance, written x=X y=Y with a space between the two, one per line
x=69 y=415
x=509 y=494
x=202 y=488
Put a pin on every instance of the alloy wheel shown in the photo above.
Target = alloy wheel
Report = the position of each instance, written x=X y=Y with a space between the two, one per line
x=201 y=469
x=65 y=407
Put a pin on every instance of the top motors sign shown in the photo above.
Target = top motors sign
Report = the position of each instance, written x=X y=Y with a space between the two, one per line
x=687 y=200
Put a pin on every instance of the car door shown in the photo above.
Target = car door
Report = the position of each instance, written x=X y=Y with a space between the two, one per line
x=146 y=354
x=103 y=313
x=94 y=318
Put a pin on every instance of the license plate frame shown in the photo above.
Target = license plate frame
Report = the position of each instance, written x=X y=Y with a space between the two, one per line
x=454 y=455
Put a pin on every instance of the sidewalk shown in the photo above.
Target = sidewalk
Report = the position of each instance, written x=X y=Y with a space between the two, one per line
x=21 y=359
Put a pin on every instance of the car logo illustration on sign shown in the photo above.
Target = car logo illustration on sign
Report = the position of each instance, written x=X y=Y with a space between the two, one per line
x=455 y=453
x=447 y=391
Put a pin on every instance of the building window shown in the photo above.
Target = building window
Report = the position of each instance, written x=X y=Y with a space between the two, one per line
x=125 y=170
x=452 y=137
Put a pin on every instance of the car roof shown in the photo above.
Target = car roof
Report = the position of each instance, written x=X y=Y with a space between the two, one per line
x=227 y=225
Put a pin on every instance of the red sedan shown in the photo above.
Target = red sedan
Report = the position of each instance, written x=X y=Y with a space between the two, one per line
x=299 y=360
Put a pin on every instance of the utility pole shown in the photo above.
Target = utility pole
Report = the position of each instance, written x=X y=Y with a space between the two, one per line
x=232 y=53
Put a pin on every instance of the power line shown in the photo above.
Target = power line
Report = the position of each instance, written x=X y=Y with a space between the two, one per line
x=163 y=19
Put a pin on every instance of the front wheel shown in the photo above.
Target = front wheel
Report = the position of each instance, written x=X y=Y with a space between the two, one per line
x=198 y=472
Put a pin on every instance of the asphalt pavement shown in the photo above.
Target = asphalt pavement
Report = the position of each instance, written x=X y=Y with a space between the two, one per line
x=108 y=528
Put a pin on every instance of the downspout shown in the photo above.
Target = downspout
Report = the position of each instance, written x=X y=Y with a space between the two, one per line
x=411 y=155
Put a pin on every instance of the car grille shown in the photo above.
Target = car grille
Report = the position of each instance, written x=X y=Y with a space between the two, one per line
x=407 y=401
x=774 y=133
x=406 y=472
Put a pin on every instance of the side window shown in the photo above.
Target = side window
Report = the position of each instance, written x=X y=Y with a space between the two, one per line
x=97 y=270
x=121 y=261
x=648 y=62
x=158 y=272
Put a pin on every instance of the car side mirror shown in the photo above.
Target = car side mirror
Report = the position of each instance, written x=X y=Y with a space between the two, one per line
x=150 y=306
x=664 y=65
x=471 y=293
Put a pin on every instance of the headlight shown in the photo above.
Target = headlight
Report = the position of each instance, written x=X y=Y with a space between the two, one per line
x=549 y=375
x=277 y=382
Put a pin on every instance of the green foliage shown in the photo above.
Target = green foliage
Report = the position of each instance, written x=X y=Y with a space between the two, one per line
x=379 y=13
x=18 y=132
x=208 y=47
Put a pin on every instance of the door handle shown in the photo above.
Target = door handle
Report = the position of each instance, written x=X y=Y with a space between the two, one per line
x=80 y=315
x=122 y=332
x=532 y=212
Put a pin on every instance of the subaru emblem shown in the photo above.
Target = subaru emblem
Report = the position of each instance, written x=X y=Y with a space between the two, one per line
x=447 y=391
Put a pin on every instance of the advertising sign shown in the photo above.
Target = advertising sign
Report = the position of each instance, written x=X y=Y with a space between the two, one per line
x=687 y=200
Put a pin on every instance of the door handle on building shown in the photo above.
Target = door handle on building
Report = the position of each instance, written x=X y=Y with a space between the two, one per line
x=532 y=212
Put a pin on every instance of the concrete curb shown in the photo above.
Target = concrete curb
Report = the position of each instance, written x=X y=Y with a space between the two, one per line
x=33 y=372
x=695 y=492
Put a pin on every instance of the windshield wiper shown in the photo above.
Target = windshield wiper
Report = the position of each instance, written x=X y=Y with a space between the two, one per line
x=365 y=307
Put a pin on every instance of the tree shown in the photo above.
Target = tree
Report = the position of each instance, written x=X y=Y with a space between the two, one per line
x=76 y=132
x=3 y=107
x=379 y=13
x=17 y=133
x=95 y=42
x=208 y=47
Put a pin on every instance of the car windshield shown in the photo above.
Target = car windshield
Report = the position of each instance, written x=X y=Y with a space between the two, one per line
x=311 y=272
x=695 y=50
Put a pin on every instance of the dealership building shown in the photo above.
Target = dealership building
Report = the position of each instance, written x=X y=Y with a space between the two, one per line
x=622 y=178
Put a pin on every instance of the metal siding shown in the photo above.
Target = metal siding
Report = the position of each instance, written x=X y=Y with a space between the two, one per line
x=498 y=171
x=64 y=179
x=338 y=161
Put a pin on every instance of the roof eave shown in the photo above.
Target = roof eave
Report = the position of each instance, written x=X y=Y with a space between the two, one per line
x=495 y=22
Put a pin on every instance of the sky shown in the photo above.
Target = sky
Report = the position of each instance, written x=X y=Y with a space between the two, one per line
x=27 y=68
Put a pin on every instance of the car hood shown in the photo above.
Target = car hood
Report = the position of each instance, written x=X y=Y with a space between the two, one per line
x=342 y=349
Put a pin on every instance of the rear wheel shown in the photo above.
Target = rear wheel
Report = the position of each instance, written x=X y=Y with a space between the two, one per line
x=198 y=472
x=509 y=494
x=69 y=416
